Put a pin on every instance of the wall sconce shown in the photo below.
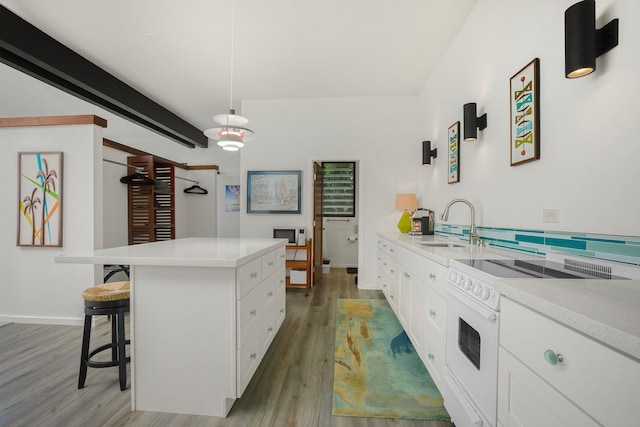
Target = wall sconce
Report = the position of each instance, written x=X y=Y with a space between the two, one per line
x=472 y=122
x=428 y=153
x=406 y=202
x=583 y=43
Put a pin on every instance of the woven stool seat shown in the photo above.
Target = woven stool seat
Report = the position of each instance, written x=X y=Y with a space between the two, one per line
x=107 y=299
x=113 y=291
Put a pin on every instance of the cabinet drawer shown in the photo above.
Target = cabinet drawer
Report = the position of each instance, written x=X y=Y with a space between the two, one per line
x=268 y=329
x=436 y=276
x=248 y=315
x=268 y=263
x=281 y=256
x=267 y=293
x=249 y=275
x=436 y=314
x=248 y=360
x=433 y=357
x=281 y=307
x=525 y=400
x=598 y=379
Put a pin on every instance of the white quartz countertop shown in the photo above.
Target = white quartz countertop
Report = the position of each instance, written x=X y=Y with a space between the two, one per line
x=606 y=310
x=188 y=252
x=444 y=254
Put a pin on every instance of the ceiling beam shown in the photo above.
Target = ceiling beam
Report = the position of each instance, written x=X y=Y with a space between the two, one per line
x=30 y=50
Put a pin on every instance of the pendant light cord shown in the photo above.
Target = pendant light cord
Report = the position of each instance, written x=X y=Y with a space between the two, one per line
x=232 y=48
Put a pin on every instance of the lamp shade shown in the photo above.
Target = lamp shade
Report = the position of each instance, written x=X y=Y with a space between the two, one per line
x=406 y=202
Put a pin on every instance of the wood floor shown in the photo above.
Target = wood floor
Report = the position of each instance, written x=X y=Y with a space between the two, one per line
x=292 y=387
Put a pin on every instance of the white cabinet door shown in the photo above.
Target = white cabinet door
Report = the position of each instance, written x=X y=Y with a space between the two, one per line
x=525 y=400
x=597 y=379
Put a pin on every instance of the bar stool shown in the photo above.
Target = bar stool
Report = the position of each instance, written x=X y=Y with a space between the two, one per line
x=107 y=299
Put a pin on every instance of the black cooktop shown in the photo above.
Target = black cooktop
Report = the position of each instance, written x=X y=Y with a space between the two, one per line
x=543 y=269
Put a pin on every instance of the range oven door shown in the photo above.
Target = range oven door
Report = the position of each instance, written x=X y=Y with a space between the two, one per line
x=472 y=354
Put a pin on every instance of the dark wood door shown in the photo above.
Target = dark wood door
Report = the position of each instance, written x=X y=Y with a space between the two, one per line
x=317 y=222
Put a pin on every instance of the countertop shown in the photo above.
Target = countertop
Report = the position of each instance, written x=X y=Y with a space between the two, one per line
x=188 y=252
x=606 y=310
x=442 y=255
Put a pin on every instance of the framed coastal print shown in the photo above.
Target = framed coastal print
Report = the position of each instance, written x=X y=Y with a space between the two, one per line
x=525 y=114
x=273 y=192
x=232 y=198
x=40 y=199
x=454 y=153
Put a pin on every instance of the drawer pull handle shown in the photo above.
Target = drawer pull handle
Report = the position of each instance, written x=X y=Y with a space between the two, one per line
x=254 y=275
x=253 y=356
x=282 y=310
x=552 y=357
x=430 y=356
x=432 y=276
x=270 y=329
x=432 y=313
x=271 y=263
x=407 y=275
x=392 y=271
x=253 y=312
x=270 y=294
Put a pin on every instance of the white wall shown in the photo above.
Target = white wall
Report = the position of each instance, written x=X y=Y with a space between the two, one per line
x=379 y=132
x=33 y=288
x=588 y=156
x=588 y=163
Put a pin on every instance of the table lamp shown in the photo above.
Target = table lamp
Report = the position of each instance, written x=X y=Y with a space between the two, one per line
x=406 y=202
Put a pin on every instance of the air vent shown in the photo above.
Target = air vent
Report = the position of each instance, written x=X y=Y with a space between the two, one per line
x=590 y=268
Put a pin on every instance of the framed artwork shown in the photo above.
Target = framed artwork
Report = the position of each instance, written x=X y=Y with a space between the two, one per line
x=525 y=114
x=232 y=198
x=454 y=153
x=40 y=199
x=273 y=192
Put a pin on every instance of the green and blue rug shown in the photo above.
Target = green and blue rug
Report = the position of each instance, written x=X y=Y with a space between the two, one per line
x=377 y=372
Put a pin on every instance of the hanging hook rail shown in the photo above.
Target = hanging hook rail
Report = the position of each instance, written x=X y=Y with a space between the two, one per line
x=187 y=179
x=137 y=168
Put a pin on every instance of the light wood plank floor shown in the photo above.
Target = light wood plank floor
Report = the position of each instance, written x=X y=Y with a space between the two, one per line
x=292 y=387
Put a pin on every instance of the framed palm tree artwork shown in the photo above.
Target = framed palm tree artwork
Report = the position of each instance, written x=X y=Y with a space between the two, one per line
x=40 y=199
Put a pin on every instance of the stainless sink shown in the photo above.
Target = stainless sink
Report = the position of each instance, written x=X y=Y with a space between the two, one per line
x=440 y=245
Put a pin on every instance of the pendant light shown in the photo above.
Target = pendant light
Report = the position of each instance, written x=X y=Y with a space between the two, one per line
x=230 y=130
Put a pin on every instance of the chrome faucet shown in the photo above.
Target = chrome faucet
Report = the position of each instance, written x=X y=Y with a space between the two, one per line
x=474 y=239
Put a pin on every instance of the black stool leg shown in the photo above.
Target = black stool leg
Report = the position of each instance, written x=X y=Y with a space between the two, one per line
x=84 y=356
x=122 y=358
x=114 y=337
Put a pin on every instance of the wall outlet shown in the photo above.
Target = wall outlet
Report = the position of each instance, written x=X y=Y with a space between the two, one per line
x=550 y=215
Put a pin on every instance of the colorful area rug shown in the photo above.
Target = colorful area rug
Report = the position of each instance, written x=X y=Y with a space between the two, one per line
x=377 y=372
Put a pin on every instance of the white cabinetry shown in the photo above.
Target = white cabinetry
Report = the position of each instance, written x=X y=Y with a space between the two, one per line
x=414 y=286
x=260 y=311
x=551 y=375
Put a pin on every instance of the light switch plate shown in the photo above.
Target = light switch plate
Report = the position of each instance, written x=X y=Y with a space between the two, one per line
x=550 y=215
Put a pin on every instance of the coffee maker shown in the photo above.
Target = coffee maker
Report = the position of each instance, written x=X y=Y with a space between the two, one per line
x=422 y=222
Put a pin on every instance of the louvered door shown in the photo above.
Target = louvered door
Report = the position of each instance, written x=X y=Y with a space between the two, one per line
x=151 y=208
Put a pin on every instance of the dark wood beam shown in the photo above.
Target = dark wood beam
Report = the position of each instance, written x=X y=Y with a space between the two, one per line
x=30 y=50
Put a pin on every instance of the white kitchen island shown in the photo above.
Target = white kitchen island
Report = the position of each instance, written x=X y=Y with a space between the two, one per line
x=203 y=313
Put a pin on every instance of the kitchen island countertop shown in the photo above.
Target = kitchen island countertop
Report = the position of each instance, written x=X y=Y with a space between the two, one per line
x=187 y=252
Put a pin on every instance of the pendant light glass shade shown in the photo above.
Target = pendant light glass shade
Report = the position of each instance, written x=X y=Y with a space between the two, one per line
x=231 y=132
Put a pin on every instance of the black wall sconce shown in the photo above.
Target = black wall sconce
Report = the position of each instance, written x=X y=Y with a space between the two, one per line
x=583 y=43
x=472 y=122
x=428 y=153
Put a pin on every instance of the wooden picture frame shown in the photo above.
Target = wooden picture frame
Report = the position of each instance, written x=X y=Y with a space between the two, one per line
x=40 y=199
x=273 y=192
x=525 y=114
x=453 y=142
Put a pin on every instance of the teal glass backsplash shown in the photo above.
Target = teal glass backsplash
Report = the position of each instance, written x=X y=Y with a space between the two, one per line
x=625 y=249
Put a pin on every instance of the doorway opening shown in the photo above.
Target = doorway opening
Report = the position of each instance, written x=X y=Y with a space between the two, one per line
x=338 y=213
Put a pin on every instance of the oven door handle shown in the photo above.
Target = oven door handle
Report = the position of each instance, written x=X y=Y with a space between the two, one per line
x=475 y=306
